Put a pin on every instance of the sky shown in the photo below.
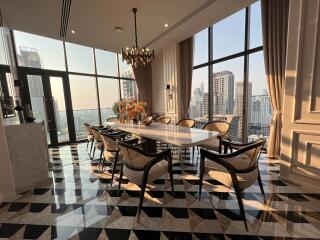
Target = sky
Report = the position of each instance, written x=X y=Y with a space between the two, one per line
x=228 y=38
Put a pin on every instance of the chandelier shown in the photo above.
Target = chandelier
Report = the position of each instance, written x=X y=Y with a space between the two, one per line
x=137 y=56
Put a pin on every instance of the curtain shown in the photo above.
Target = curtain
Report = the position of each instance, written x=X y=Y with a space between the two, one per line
x=275 y=29
x=186 y=64
x=143 y=76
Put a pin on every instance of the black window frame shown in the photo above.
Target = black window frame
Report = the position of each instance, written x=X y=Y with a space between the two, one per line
x=245 y=54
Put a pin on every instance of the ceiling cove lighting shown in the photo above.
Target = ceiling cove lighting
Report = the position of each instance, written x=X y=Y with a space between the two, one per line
x=137 y=56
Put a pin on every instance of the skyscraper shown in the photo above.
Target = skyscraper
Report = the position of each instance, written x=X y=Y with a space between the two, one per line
x=30 y=57
x=261 y=112
x=128 y=87
x=196 y=103
x=239 y=106
x=223 y=92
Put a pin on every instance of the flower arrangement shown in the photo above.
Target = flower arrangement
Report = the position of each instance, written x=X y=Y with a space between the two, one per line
x=131 y=108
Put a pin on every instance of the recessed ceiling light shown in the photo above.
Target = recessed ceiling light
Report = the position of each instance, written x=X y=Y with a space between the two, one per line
x=118 y=29
x=73 y=31
x=166 y=25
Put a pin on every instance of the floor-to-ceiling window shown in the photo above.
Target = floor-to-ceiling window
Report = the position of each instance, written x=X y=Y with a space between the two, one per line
x=82 y=84
x=228 y=77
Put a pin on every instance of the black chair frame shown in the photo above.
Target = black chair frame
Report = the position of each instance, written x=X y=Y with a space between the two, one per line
x=212 y=156
x=157 y=157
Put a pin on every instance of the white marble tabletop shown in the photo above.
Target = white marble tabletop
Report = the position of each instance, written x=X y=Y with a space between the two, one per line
x=175 y=135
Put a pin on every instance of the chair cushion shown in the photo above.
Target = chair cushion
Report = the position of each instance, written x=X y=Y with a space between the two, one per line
x=110 y=156
x=222 y=175
x=212 y=144
x=156 y=171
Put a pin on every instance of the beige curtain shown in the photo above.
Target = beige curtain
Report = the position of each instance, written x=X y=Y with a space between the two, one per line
x=186 y=64
x=143 y=76
x=275 y=29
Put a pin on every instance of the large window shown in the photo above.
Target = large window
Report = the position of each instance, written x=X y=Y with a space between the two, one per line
x=39 y=52
x=199 y=105
x=106 y=63
x=259 y=116
x=80 y=58
x=230 y=80
x=86 y=90
x=228 y=35
x=84 y=102
x=200 y=47
x=108 y=94
x=3 y=48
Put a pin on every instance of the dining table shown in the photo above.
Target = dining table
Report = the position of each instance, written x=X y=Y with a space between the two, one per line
x=183 y=137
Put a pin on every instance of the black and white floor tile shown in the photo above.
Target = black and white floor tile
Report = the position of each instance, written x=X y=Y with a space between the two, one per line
x=81 y=204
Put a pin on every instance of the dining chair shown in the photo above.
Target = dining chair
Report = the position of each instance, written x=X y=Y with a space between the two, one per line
x=90 y=137
x=215 y=144
x=142 y=168
x=97 y=141
x=164 y=120
x=111 y=150
x=189 y=123
x=238 y=169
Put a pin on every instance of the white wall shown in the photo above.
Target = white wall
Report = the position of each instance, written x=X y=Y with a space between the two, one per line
x=165 y=71
x=7 y=188
x=300 y=146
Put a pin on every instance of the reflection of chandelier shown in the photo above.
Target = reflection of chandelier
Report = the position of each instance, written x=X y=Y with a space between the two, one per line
x=136 y=56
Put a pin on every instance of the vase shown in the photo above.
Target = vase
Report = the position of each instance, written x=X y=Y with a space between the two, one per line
x=135 y=120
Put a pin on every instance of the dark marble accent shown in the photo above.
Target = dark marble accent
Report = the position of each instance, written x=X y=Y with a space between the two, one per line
x=7 y=230
x=204 y=213
x=38 y=207
x=34 y=231
x=16 y=207
x=118 y=234
x=153 y=211
x=178 y=212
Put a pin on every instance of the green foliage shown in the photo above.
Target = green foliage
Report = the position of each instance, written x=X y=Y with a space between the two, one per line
x=115 y=108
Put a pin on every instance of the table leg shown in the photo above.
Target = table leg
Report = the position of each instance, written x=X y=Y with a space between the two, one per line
x=150 y=145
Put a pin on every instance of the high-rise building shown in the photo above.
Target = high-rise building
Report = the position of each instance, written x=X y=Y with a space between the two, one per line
x=196 y=104
x=223 y=92
x=239 y=106
x=31 y=58
x=128 y=87
x=261 y=113
x=206 y=105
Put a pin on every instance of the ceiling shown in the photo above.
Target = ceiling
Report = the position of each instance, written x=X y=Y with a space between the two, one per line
x=94 y=20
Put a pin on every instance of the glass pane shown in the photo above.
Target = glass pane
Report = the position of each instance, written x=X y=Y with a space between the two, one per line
x=228 y=35
x=227 y=93
x=200 y=47
x=38 y=100
x=199 y=104
x=109 y=96
x=84 y=102
x=59 y=108
x=260 y=111
x=255 y=25
x=129 y=89
x=3 y=48
x=79 y=58
x=125 y=69
x=39 y=52
x=106 y=63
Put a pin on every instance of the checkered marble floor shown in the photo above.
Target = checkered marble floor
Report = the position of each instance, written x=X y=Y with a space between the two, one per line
x=81 y=204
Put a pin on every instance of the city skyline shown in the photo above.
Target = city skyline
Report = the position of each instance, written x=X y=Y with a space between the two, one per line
x=258 y=110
